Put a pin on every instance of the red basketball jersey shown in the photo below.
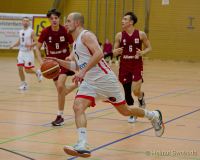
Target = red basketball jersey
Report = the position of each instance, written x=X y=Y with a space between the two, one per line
x=130 y=43
x=56 y=42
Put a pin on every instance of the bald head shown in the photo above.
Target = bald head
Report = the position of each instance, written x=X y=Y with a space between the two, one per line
x=77 y=17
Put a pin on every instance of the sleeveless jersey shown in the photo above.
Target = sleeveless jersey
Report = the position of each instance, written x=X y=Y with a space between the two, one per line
x=56 y=42
x=130 y=43
x=83 y=55
x=25 y=39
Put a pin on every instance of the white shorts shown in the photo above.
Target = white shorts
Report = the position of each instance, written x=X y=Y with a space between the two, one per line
x=26 y=59
x=107 y=86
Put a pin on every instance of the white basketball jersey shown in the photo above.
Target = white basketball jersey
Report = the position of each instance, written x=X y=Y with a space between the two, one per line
x=25 y=39
x=83 y=55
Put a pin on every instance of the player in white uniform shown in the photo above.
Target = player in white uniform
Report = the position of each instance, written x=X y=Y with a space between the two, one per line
x=26 y=43
x=96 y=78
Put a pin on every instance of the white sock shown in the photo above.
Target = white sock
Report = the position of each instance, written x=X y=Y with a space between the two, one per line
x=82 y=133
x=60 y=113
x=149 y=114
x=23 y=82
x=140 y=98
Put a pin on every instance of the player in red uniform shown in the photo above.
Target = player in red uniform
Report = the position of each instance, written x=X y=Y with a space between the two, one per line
x=56 y=42
x=128 y=44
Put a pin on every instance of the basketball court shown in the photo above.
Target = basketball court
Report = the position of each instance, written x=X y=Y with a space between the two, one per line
x=26 y=132
x=171 y=84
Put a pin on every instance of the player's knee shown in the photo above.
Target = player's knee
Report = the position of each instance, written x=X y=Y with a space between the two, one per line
x=60 y=88
x=78 y=108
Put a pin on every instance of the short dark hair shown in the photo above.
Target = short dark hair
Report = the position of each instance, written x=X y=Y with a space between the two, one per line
x=26 y=18
x=54 y=12
x=132 y=16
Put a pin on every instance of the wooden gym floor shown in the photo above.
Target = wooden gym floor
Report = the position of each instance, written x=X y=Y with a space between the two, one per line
x=172 y=87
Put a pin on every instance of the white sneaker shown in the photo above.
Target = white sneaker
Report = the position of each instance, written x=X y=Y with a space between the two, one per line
x=132 y=119
x=23 y=86
x=80 y=150
x=39 y=75
x=157 y=123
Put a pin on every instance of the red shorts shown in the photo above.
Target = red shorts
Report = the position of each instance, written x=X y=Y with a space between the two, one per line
x=64 y=71
x=126 y=76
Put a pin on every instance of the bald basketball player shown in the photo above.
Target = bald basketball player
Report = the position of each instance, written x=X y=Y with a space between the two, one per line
x=96 y=78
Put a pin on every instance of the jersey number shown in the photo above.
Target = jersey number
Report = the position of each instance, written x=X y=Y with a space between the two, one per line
x=130 y=48
x=57 y=45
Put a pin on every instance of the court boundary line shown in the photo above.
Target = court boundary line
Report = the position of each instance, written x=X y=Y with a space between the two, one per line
x=98 y=111
x=137 y=133
x=16 y=153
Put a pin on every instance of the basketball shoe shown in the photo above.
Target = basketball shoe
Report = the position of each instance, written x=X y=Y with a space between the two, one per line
x=80 y=150
x=59 y=121
x=23 y=86
x=157 y=123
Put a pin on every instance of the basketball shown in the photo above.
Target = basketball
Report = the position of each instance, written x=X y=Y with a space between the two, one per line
x=50 y=69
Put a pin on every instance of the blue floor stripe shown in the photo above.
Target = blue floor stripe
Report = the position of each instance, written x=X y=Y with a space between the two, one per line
x=132 y=135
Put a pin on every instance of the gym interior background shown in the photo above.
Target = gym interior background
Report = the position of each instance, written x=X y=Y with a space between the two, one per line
x=173 y=29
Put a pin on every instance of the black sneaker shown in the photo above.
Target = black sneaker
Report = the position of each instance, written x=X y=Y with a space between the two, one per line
x=142 y=103
x=59 y=121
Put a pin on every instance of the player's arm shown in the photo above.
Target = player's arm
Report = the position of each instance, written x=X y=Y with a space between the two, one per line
x=117 y=49
x=17 y=43
x=69 y=64
x=70 y=57
x=90 y=41
x=38 y=52
x=146 y=44
x=33 y=36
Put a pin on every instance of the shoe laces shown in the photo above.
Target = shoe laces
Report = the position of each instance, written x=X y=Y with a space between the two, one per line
x=156 y=123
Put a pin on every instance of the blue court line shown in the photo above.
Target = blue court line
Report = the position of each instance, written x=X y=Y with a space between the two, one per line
x=101 y=110
x=150 y=98
x=184 y=91
x=137 y=133
x=175 y=138
x=27 y=124
x=13 y=110
x=165 y=94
